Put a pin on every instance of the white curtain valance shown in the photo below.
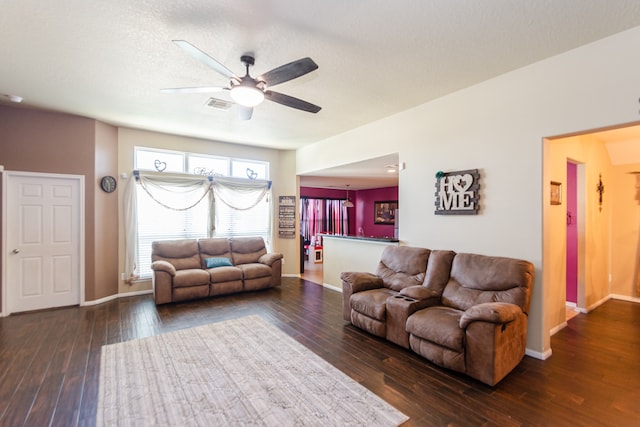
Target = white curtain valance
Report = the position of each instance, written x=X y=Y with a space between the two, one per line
x=240 y=193
x=175 y=192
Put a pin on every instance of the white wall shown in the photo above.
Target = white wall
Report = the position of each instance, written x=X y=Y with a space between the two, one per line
x=282 y=165
x=498 y=127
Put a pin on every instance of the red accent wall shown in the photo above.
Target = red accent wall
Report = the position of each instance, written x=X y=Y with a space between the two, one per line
x=572 y=233
x=364 y=211
x=324 y=193
x=361 y=215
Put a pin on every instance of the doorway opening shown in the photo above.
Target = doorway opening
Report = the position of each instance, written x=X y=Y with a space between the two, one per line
x=585 y=244
x=574 y=251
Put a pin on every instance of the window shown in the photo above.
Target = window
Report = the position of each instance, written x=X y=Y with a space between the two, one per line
x=252 y=170
x=158 y=160
x=241 y=210
x=207 y=165
x=169 y=206
x=156 y=222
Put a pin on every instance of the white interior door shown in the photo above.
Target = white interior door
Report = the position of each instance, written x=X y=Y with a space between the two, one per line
x=43 y=244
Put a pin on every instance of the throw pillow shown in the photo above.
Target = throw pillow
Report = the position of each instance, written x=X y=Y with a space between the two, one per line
x=218 y=262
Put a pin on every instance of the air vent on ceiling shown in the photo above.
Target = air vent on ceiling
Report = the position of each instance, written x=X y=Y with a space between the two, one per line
x=219 y=104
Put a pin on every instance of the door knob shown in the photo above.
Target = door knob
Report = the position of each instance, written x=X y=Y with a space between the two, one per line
x=15 y=251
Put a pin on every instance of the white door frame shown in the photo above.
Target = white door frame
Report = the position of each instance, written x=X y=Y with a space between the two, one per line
x=5 y=179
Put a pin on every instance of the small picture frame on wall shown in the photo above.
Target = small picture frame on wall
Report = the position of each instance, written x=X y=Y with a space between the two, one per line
x=556 y=193
x=384 y=212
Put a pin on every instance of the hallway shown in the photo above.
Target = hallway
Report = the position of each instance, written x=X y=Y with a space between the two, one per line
x=313 y=272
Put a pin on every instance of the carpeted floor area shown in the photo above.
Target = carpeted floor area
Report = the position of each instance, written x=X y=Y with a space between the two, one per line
x=238 y=372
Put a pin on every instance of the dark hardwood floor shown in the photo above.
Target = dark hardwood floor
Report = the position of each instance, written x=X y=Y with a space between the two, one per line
x=49 y=361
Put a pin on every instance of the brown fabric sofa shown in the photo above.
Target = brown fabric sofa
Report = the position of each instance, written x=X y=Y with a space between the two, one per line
x=188 y=268
x=465 y=312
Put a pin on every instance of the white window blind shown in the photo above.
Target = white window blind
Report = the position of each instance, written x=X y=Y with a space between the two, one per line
x=234 y=223
x=242 y=208
x=157 y=222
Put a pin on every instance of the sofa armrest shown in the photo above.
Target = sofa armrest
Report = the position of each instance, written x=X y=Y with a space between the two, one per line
x=420 y=293
x=270 y=258
x=354 y=282
x=163 y=266
x=492 y=312
x=358 y=282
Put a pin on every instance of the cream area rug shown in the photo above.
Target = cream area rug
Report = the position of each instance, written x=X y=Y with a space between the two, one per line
x=241 y=372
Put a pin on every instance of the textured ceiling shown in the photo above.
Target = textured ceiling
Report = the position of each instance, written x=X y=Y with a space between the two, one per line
x=109 y=59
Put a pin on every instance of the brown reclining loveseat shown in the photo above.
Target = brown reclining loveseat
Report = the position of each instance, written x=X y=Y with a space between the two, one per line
x=465 y=312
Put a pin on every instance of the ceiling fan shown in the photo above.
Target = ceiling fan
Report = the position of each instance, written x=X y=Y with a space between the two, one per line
x=247 y=91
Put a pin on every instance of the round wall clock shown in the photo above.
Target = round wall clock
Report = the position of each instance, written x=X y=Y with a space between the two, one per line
x=108 y=184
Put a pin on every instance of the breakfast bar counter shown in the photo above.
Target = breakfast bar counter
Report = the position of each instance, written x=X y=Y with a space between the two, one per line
x=351 y=253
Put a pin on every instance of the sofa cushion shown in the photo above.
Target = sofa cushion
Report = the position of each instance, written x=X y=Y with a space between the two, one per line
x=183 y=254
x=215 y=247
x=438 y=270
x=438 y=354
x=246 y=250
x=254 y=270
x=402 y=266
x=366 y=323
x=215 y=262
x=477 y=279
x=190 y=277
x=225 y=274
x=440 y=325
x=372 y=303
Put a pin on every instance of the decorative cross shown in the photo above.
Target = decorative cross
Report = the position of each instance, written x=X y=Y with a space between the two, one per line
x=600 y=190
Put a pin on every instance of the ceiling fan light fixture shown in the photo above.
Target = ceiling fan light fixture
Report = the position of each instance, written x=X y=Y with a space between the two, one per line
x=247 y=95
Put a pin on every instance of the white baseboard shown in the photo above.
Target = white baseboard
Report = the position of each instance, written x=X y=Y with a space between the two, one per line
x=297 y=276
x=333 y=288
x=558 y=328
x=625 y=298
x=116 y=296
x=596 y=304
x=538 y=355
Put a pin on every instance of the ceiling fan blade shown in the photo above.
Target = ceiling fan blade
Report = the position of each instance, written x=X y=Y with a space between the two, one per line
x=244 y=113
x=205 y=59
x=203 y=89
x=288 y=71
x=290 y=101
